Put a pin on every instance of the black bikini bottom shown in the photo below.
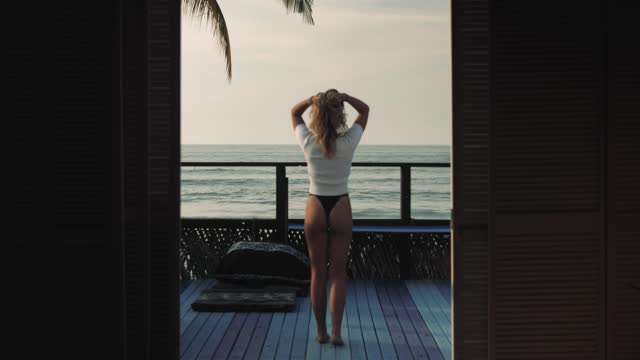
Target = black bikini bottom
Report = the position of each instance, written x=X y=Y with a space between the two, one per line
x=328 y=202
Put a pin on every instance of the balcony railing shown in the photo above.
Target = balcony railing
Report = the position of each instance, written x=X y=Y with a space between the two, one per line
x=381 y=248
x=282 y=182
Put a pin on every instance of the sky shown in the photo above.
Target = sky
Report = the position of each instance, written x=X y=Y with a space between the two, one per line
x=395 y=55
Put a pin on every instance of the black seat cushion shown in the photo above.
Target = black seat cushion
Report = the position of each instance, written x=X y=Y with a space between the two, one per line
x=263 y=263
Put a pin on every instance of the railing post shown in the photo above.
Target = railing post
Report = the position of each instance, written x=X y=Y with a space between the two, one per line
x=405 y=213
x=405 y=193
x=282 y=201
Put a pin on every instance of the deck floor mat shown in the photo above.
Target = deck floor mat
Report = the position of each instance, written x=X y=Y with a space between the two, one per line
x=224 y=297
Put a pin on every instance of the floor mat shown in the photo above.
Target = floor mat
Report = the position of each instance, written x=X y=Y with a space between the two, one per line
x=232 y=297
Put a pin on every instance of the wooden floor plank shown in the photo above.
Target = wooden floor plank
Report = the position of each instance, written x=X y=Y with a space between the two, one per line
x=356 y=340
x=285 y=342
x=444 y=343
x=192 y=330
x=194 y=347
x=189 y=315
x=442 y=316
x=397 y=336
x=230 y=336
x=425 y=336
x=328 y=350
x=185 y=306
x=445 y=288
x=189 y=318
x=273 y=336
x=382 y=320
x=380 y=325
x=259 y=336
x=439 y=299
x=314 y=350
x=415 y=345
x=242 y=341
x=211 y=345
x=370 y=338
x=435 y=311
x=299 y=348
x=344 y=352
x=188 y=291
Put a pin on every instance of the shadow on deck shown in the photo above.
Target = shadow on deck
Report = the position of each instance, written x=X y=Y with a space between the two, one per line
x=383 y=319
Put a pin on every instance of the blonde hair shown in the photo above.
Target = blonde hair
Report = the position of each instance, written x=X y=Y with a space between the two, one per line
x=328 y=120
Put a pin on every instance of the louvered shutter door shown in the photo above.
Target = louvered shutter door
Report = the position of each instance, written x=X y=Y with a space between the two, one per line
x=623 y=184
x=547 y=208
x=470 y=180
x=60 y=182
x=152 y=167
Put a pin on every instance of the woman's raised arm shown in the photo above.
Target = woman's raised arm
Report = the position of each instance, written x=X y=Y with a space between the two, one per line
x=299 y=109
x=361 y=107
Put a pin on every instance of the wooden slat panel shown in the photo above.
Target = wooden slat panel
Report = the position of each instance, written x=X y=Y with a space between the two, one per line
x=163 y=105
x=471 y=110
x=471 y=294
x=559 y=291
x=547 y=209
x=470 y=174
x=136 y=178
x=60 y=183
x=624 y=291
x=623 y=184
x=151 y=161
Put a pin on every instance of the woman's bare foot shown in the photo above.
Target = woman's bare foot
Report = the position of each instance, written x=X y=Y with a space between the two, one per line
x=336 y=340
x=323 y=338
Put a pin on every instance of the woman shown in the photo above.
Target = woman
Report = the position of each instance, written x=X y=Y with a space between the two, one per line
x=328 y=147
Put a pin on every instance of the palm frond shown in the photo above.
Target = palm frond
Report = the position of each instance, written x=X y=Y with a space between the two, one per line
x=210 y=11
x=301 y=7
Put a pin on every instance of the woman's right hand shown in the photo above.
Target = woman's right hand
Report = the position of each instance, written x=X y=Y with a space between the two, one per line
x=314 y=99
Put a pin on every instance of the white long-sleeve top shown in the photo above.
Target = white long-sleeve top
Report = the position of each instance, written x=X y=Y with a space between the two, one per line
x=328 y=176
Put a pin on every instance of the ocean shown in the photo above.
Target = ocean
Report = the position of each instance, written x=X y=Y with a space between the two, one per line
x=250 y=192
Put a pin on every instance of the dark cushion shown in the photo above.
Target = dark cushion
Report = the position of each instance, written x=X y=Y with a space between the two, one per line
x=261 y=263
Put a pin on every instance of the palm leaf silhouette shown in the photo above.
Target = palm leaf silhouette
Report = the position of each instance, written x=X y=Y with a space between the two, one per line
x=210 y=11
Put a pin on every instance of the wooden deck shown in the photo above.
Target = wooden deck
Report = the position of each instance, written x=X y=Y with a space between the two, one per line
x=383 y=319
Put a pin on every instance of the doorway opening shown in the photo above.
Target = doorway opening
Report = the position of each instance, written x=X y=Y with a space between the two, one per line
x=397 y=57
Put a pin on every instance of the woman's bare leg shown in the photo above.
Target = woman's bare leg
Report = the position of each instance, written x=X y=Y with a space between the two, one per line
x=340 y=222
x=315 y=230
